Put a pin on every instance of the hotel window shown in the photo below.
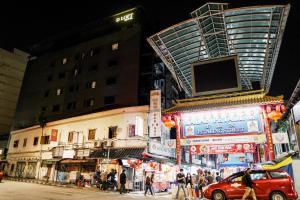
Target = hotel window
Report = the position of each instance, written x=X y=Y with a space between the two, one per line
x=89 y=102
x=24 y=142
x=109 y=100
x=62 y=75
x=73 y=88
x=115 y=46
x=111 y=80
x=92 y=133
x=91 y=84
x=93 y=67
x=113 y=62
x=112 y=132
x=55 y=108
x=35 y=141
x=59 y=91
x=71 y=105
x=50 y=78
x=70 y=137
x=47 y=92
x=64 y=61
x=16 y=143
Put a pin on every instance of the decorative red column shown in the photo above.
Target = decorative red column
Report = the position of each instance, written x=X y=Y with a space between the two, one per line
x=268 y=135
x=178 y=146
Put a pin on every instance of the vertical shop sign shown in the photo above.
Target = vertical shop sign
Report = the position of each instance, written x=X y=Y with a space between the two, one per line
x=155 y=114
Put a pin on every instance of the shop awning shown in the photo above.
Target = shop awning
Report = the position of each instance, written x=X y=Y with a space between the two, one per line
x=77 y=161
x=120 y=153
x=155 y=157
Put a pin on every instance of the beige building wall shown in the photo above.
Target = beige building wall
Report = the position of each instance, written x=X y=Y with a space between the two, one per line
x=81 y=125
x=12 y=69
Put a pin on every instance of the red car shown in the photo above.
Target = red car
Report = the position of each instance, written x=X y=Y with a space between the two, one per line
x=271 y=184
x=1 y=175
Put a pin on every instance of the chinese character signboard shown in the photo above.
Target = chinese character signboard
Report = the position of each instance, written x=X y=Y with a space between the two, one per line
x=155 y=114
x=163 y=150
x=54 y=133
x=224 y=121
x=223 y=148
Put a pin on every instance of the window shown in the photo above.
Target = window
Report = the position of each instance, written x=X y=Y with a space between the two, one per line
x=35 y=141
x=70 y=137
x=115 y=46
x=45 y=139
x=131 y=130
x=62 y=75
x=44 y=108
x=55 y=108
x=24 y=142
x=89 y=102
x=92 y=133
x=64 y=61
x=278 y=174
x=50 y=78
x=258 y=176
x=73 y=88
x=76 y=72
x=59 y=91
x=112 y=132
x=91 y=84
x=47 y=92
x=113 y=62
x=93 y=67
x=16 y=143
x=71 y=105
x=12 y=167
x=111 y=81
x=109 y=100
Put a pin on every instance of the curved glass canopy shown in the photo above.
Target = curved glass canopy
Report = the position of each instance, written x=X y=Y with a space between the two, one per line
x=254 y=34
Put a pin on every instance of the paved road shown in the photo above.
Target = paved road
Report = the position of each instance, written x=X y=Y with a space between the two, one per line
x=10 y=190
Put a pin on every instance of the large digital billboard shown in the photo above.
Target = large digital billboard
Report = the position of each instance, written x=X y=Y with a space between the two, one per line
x=216 y=76
x=223 y=121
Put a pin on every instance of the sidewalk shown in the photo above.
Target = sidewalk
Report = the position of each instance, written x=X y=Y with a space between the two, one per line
x=43 y=182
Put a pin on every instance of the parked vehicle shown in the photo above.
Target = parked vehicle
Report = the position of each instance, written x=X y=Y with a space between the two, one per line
x=269 y=184
x=1 y=175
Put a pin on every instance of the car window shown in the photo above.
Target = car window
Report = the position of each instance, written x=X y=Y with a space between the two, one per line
x=259 y=176
x=278 y=174
x=236 y=179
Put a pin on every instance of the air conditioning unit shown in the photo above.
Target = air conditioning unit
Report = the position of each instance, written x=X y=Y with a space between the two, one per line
x=98 y=144
x=108 y=143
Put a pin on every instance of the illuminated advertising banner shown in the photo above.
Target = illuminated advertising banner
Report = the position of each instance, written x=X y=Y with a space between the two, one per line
x=223 y=121
x=223 y=148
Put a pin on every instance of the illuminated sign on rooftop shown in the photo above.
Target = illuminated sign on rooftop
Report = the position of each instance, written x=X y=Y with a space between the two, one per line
x=124 y=18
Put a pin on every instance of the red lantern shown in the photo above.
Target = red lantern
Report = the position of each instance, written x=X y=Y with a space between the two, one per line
x=277 y=108
x=129 y=161
x=269 y=109
x=283 y=108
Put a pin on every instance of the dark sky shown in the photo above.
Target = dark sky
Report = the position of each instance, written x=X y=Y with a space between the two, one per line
x=24 y=23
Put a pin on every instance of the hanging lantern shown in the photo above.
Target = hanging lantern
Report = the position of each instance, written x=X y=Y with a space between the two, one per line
x=269 y=109
x=275 y=116
x=277 y=108
x=129 y=161
x=283 y=108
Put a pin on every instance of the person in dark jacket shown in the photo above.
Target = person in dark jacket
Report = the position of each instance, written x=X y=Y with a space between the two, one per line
x=209 y=178
x=122 y=182
x=218 y=177
x=246 y=179
x=148 y=185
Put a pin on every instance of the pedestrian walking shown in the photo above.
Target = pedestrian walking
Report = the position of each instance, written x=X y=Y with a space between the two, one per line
x=152 y=182
x=218 y=177
x=201 y=184
x=246 y=179
x=189 y=185
x=209 y=178
x=122 y=182
x=148 y=185
x=181 y=183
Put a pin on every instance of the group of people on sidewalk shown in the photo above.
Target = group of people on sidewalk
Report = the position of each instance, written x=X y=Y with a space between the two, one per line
x=192 y=185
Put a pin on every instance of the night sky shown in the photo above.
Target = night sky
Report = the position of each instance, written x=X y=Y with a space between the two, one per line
x=24 y=23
